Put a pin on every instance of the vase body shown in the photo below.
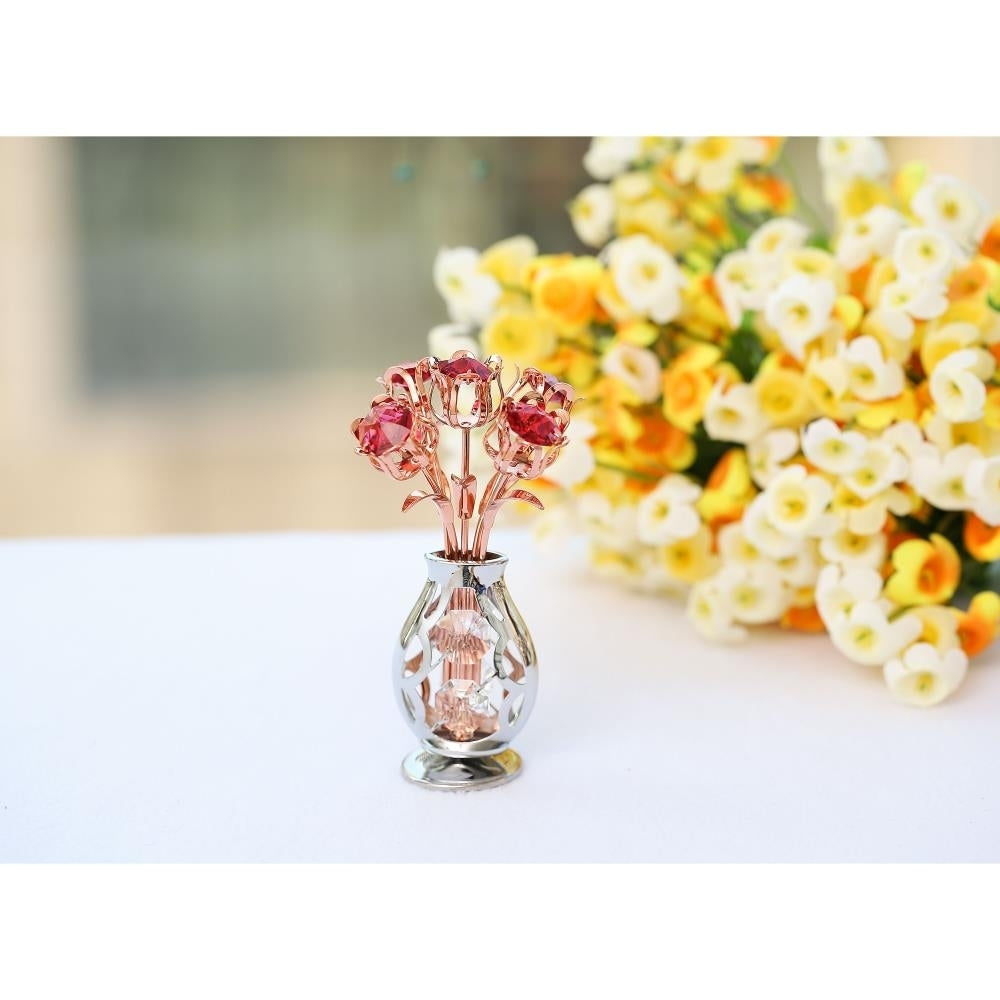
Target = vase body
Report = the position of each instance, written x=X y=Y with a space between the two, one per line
x=465 y=674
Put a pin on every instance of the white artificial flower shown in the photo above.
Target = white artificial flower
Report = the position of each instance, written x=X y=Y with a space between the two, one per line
x=668 y=513
x=866 y=636
x=829 y=377
x=871 y=375
x=859 y=156
x=831 y=449
x=612 y=526
x=939 y=625
x=576 y=458
x=754 y=594
x=711 y=614
x=799 y=309
x=919 y=298
x=923 y=675
x=638 y=368
x=899 y=326
x=796 y=503
x=734 y=546
x=610 y=155
x=982 y=483
x=776 y=238
x=801 y=569
x=733 y=413
x=951 y=207
x=906 y=437
x=764 y=535
x=854 y=550
x=924 y=254
x=769 y=452
x=866 y=236
x=743 y=281
x=940 y=478
x=446 y=338
x=957 y=387
x=839 y=589
x=881 y=466
x=710 y=162
x=592 y=213
x=469 y=293
x=647 y=277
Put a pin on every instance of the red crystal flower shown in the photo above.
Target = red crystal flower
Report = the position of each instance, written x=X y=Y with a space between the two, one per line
x=395 y=436
x=531 y=425
x=466 y=391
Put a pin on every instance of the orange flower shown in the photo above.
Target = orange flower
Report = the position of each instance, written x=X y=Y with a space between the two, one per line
x=989 y=246
x=978 y=626
x=805 y=619
x=687 y=384
x=924 y=572
x=981 y=540
x=968 y=281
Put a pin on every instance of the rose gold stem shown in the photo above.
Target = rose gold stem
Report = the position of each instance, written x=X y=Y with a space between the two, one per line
x=433 y=476
x=465 y=477
x=490 y=508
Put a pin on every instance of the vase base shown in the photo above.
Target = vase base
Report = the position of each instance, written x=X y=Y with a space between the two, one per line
x=460 y=774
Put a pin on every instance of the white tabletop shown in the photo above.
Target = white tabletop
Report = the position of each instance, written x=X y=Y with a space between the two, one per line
x=228 y=699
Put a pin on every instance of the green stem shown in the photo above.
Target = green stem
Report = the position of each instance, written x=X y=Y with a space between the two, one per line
x=628 y=472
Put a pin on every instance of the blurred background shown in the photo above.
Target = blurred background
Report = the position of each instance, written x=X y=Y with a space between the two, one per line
x=187 y=326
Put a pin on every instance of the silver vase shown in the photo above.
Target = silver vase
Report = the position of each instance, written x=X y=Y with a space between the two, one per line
x=465 y=675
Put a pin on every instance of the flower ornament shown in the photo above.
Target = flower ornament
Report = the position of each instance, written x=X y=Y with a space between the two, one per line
x=464 y=391
x=396 y=437
x=400 y=434
x=531 y=425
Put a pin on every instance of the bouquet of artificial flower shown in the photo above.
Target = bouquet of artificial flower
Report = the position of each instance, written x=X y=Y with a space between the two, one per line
x=785 y=425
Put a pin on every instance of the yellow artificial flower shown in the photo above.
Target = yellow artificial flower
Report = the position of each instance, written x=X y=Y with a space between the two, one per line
x=991 y=414
x=686 y=385
x=703 y=313
x=878 y=416
x=924 y=572
x=909 y=179
x=522 y=338
x=610 y=299
x=728 y=489
x=564 y=293
x=507 y=259
x=941 y=340
x=978 y=627
x=782 y=394
x=577 y=365
x=982 y=540
x=689 y=559
x=862 y=194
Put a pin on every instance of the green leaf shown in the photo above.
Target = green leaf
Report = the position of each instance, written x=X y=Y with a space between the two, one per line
x=744 y=350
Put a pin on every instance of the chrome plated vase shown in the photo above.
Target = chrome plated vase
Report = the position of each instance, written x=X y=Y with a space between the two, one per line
x=465 y=675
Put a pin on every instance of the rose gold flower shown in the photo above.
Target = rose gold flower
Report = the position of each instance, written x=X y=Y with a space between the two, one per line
x=396 y=436
x=465 y=391
x=531 y=425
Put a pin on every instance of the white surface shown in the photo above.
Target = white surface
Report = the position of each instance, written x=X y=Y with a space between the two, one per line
x=228 y=699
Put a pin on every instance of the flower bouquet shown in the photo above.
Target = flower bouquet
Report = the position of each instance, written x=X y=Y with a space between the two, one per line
x=783 y=424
